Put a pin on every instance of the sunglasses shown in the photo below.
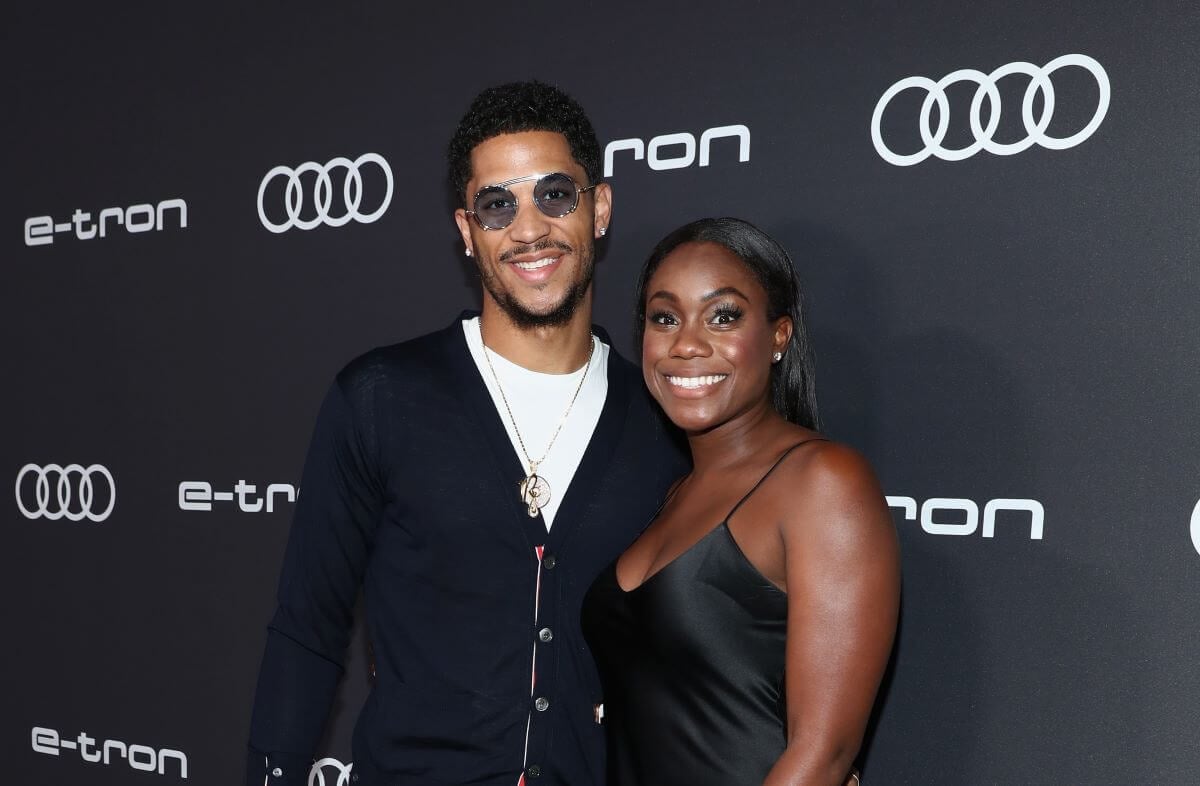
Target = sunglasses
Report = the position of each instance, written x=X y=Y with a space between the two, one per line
x=555 y=194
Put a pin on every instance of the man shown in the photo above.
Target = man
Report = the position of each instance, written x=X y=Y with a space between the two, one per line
x=473 y=482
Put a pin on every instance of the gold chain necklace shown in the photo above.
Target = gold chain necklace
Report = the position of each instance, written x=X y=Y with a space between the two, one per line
x=534 y=490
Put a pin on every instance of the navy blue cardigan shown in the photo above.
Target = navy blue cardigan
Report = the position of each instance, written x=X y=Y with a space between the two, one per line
x=409 y=491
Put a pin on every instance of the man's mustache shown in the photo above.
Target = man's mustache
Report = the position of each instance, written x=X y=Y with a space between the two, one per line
x=539 y=246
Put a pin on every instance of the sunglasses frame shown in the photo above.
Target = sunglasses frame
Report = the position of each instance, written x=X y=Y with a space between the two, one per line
x=579 y=190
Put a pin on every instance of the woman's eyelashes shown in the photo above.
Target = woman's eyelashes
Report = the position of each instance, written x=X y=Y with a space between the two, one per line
x=721 y=315
x=662 y=318
x=725 y=314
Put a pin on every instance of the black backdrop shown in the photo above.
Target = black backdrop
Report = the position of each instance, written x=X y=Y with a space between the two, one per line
x=1000 y=327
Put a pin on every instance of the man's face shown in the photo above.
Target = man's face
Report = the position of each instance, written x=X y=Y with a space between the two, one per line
x=538 y=269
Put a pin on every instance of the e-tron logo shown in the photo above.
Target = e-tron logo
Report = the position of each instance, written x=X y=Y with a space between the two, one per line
x=1035 y=127
x=79 y=492
x=1196 y=527
x=40 y=230
x=199 y=495
x=316 y=776
x=322 y=193
x=658 y=162
x=933 y=522
x=139 y=757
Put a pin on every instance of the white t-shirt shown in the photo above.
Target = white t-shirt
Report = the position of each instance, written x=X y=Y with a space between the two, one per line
x=538 y=402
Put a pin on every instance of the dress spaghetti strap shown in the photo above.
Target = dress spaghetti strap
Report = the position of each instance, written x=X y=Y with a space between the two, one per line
x=778 y=461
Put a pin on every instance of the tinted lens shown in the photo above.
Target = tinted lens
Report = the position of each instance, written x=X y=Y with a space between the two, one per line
x=495 y=207
x=556 y=194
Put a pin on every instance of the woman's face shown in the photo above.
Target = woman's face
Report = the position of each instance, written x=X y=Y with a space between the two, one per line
x=708 y=345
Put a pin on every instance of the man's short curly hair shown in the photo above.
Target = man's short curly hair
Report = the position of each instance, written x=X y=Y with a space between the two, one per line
x=521 y=106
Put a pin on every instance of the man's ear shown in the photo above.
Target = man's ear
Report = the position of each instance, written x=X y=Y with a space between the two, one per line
x=602 y=212
x=464 y=228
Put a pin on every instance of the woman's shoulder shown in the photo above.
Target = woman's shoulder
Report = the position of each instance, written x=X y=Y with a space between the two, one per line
x=815 y=458
x=821 y=476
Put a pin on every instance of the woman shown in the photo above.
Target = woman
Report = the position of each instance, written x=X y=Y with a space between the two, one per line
x=741 y=639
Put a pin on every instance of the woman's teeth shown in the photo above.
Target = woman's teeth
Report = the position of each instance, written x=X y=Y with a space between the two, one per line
x=696 y=382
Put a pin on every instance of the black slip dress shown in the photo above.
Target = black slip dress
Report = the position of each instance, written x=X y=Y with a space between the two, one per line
x=692 y=666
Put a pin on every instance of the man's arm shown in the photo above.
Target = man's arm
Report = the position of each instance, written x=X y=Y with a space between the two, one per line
x=330 y=541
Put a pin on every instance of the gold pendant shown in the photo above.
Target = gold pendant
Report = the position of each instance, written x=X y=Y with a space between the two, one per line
x=535 y=494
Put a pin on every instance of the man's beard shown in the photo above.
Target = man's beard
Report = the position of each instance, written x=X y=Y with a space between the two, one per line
x=522 y=317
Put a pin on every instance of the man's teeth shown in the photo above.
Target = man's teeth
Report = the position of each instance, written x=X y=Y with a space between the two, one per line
x=696 y=382
x=537 y=263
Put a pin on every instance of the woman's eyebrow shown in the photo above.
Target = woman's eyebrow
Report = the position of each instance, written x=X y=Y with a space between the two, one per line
x=722 y=292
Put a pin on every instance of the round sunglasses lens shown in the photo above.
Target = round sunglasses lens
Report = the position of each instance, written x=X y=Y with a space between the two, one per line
x=556 y=195
x=495 y=207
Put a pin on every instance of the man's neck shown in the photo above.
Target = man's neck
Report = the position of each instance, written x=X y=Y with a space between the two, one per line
x=560 y=349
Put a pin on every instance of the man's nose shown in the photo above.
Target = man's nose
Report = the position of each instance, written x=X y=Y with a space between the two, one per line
x=530 y=224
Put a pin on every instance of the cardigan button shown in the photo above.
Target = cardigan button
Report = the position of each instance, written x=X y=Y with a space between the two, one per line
x=541 y=704
x=545 y=635
x=533 y=771
x=549 y=561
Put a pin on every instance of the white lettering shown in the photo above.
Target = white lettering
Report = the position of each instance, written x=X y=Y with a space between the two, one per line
x=669 y=140
x=39 y=231
x=195 y=495
x=199 y=495
x=286 y=489
x=243 y=489
x=636 y=145
x=45 y=741
x=658 y=163
x=172 y=204
x=740 y=131
x=168 y=753
x=78 y=218
x=967 y=527
x=132 y=211
x=113 y=744
x=1037 y=515
x=147 y=766
x=139 y=757
x=907 y=504
x=84 y=743
x=934 y=524
x=106 y=214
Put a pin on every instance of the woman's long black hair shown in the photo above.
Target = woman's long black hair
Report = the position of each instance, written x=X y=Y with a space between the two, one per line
x=792 y=388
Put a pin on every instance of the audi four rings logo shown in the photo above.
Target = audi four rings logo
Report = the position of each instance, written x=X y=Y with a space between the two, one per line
x=316 y=776
x=75 y=492
x=1035 y=127
x=322 y=194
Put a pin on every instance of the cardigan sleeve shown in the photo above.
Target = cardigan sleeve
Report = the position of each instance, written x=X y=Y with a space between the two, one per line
x=330 y=542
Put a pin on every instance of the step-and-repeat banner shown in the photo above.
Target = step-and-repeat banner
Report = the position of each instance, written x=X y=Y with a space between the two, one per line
x=993 y=207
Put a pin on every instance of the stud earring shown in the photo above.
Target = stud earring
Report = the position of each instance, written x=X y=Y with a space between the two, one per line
x=468 y=252
x=778 y=356
x=603 y=231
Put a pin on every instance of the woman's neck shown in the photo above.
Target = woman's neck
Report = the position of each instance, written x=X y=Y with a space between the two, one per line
x=732 y=442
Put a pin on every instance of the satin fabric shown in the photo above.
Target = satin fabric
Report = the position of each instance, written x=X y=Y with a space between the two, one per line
x=692 y=666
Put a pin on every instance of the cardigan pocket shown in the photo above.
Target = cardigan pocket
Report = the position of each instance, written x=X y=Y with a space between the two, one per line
x=444 y=734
